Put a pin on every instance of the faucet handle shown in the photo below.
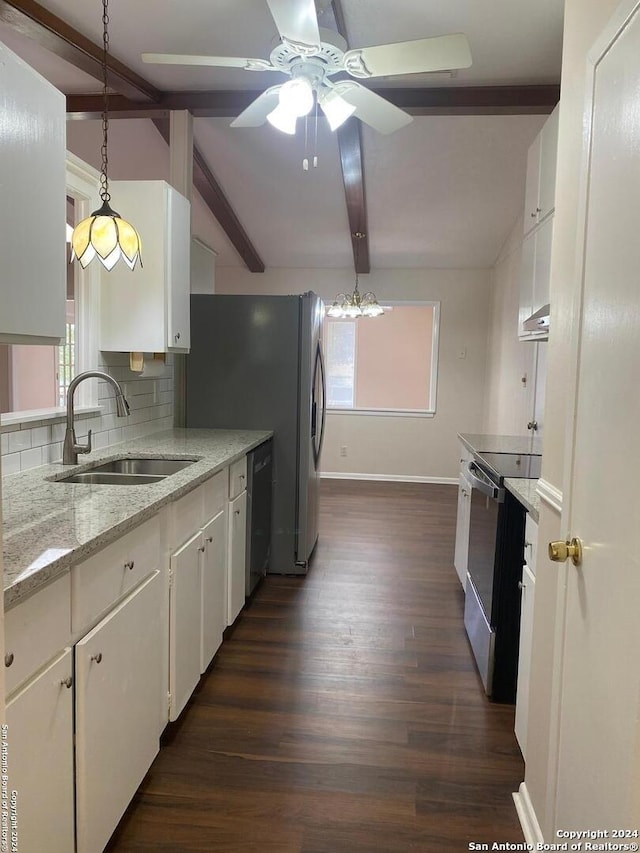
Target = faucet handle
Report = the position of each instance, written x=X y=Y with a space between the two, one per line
x=85 y=448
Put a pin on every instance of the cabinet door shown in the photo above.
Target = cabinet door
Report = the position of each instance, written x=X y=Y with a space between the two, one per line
x=461 y=557
x=532 y=187
x=32 y=215
x=214 y=587
x=524 y=658
x=40 y=759
x=184 y=623
x=118 y=681
x=237 y=555
x=542 y=274
x=179 y=265
x=527 y=273
x=548 y=157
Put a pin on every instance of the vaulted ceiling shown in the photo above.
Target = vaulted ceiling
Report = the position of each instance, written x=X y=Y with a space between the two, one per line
x=441 y=192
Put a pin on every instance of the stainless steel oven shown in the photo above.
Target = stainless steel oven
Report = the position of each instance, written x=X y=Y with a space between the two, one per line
x=496 y=542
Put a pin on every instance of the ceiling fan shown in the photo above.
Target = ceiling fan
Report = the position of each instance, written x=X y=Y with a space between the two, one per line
x=311 y=57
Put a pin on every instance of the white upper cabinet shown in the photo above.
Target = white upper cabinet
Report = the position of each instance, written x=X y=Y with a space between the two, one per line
x=541 y=174
x=147 y=310
x=33 y=208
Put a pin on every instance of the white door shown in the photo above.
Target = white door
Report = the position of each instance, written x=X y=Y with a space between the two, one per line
x=214 y=587
x=599 y=758
x=184 y=623
x=40 y=759
x=118 y=678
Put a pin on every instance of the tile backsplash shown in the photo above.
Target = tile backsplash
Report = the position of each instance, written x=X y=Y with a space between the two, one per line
x=34 y=443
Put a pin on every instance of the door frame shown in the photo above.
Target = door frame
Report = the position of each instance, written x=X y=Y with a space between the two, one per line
x=609 y=35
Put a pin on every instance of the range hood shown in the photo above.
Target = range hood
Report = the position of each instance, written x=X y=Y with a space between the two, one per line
x=538 y=322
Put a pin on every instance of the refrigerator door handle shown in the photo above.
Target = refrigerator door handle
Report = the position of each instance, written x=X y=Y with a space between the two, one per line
x=317 y=447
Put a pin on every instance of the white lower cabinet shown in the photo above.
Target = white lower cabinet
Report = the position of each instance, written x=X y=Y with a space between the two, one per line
x=184 y=623
x=118 y=680
x=237 y=555
x=214 y=587
x=528 y=589
x=40 y=758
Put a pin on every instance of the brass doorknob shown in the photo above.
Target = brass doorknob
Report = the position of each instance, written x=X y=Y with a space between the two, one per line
x=559 y=552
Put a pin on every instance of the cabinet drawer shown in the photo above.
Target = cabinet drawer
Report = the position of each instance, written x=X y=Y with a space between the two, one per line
x=215 y=493
x=104 y=578
x=237 y=477
x=35 y=631
x=187 y=516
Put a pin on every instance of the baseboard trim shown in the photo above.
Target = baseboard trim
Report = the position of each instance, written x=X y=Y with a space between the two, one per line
x=550 y=495
x=527 y=817
x=389 y=478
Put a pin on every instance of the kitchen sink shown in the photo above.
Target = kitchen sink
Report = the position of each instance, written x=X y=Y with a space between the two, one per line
x=128 y=472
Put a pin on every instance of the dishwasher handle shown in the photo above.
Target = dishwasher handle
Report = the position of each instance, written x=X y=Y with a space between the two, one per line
x=483 y=484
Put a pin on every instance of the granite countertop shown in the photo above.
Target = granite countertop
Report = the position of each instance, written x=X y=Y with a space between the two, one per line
x=50 y=526
x=501 y=443
x=526 y=492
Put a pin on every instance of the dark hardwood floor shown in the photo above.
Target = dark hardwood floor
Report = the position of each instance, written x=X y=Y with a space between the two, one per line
x=345 y=712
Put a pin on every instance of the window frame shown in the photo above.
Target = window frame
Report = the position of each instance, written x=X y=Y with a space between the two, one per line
x=429 y=412
x=83 y=185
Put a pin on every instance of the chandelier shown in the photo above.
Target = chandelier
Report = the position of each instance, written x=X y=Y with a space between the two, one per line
x=105 y=234
x=355 y=304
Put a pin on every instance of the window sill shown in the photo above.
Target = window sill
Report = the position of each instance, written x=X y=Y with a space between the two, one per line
x=11 y=421
x=384 y=413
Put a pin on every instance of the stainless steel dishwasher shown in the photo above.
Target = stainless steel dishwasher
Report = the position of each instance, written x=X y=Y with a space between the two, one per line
x=259 y=491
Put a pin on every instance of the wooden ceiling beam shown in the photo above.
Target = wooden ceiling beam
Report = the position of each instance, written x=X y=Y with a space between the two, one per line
x=37 y=23
x=352 y=163
x=214 y=197
x=445 y=101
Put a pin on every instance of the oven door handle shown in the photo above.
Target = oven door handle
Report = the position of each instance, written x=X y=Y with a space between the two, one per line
x=483 y=484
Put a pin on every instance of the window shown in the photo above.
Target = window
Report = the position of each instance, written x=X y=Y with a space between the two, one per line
x=386 y=364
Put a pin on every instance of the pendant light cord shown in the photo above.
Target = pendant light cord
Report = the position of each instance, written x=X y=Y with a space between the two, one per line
x=357 y=236
x=104 y=180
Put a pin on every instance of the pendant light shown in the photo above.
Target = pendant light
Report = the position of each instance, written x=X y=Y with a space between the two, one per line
x=355 y=304
x=105 y=234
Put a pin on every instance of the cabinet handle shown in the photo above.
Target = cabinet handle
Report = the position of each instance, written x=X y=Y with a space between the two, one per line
x=176 y=337
x=97 y=658
x=237 y=512
x=202 y=548
x=521 y=586
x=129 y=564
x=241 y=477
x=532 y=425
x=66 y=682
x=209 y=539
x=8 y=659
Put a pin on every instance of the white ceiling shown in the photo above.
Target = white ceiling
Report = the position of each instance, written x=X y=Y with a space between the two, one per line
x=442 y=192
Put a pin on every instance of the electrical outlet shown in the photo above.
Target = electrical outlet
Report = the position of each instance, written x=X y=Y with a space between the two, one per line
x=343 y=450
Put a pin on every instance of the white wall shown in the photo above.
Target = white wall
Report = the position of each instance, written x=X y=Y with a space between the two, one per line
x=401 y=447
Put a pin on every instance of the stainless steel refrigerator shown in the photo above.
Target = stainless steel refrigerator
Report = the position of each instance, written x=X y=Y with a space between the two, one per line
x=256 y=363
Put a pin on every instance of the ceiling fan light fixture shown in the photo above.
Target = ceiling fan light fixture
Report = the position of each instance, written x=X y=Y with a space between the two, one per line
x=335 y=108
x=296 y=96
x=282 y=120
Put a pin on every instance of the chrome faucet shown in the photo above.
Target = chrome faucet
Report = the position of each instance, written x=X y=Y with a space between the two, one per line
x=71 y=447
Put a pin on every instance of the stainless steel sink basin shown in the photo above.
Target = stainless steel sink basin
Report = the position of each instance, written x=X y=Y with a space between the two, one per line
x=128 y=472
x=103 y=478
x=142 y=466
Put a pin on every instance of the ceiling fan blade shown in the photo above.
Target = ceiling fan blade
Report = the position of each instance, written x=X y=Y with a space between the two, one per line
x=257 y=111
x=221 y=61
x=296 y=20
x=373 y=109
x=442 y=53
